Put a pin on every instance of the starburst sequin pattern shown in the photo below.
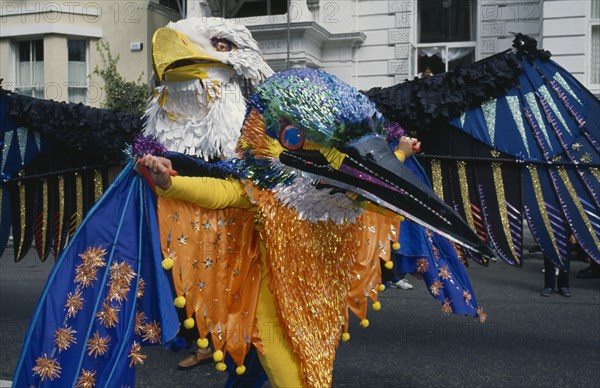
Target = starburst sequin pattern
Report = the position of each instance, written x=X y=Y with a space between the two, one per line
x=86 y=272
x=87 y=379
x=447 y=307
x=109 y=315
x=74 y=303
x=47 y=368
x=422 y=265
x=64 y=338
x=482 y=315
x=444 y=273
x=97 y=345
x=135 y=355
x=436 y=287
x=151 y=332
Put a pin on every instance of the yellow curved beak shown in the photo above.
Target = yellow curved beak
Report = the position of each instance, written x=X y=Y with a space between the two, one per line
x=177 y=58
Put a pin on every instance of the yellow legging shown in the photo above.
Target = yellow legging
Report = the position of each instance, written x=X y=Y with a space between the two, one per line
x=278 y=359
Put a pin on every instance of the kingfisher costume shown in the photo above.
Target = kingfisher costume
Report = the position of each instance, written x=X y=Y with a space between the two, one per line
x=307 y=141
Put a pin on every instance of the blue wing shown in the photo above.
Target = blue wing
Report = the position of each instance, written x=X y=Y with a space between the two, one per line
x=513 y=137
x=107 y=294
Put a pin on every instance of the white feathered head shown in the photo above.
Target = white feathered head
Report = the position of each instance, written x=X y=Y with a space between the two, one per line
x=197 y=106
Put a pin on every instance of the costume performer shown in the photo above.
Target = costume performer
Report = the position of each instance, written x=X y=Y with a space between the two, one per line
x=307 y=140
x=299 y=258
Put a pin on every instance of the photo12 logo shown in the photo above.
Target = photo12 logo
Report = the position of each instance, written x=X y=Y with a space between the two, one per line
x=68 y=11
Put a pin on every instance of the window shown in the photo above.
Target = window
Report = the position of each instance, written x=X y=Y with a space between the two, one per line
x=246 y=8
x=77 y=70
x=173 y=4
x=445 y=35
x=595 y=47
x=30 y=67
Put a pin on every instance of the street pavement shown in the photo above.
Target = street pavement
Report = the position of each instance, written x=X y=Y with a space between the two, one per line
x=527 y=341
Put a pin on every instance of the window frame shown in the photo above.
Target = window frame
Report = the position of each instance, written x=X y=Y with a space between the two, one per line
x=85 y=86
x=415 y=46
x=30 y=89
x=235 y=15
x=593 y=22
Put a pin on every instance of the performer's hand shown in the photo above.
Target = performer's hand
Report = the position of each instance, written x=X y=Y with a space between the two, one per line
x=408 y=146
x=160 y=170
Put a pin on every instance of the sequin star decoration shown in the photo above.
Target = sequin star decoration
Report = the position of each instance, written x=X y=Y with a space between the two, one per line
x=109 y=315
x=467 y=296
x=195 y=264
x=74 y=303
x=141 y=288
x=175 y=217
x=221 y=223
x=87 y=379
x=182 y=240
x=64 y=338
x=436 y=287
x=94 y=257
x=444 y=273
x=207 y=225
x=140 y=323
x=422 y=265
x=47 y=368
x=195 y=225
x=97 y=345
x=586 y=158
x=151 y=332
x=121 y=272
x=118 y=291
x=447 y=307
x=481 y=315
x=576 y=146
x=85 y=275
x=135 y=355
x=201 y=285
x=86 y=272
x=208 y=263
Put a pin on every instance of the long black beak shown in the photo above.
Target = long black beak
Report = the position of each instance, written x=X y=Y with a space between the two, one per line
x=370 y=169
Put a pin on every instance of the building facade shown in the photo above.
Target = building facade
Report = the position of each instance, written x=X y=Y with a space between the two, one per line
x=370 y=43
x=48 y=49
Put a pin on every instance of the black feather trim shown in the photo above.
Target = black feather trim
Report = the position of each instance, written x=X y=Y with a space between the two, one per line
x=100 y=131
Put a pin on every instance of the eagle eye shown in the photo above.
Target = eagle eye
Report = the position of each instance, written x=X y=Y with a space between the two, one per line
x=222 y=45
x=291 y=137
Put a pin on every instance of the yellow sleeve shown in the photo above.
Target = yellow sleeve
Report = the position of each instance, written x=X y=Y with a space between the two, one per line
x=210 y=193
x=400 y=155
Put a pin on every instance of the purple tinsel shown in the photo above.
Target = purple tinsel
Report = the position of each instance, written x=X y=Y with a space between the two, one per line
x=536 y=132
x=393 y=131
x=143 y=145
x=565 y=99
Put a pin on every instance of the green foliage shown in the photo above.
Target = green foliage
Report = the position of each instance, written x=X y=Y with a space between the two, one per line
x=121 y=95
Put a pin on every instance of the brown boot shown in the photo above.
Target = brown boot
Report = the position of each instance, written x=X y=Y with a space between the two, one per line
x=198 y=357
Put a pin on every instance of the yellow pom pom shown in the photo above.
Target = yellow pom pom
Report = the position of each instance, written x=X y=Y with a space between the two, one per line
x=179 y=302
x=202 y=343
x=346 y=337
x=240 y=370
x=167 y=264
x=396 y=246
x=380 y=288
x=377 y=306
x=221 y=366
x=189 y=323
x=218 y=356
x=389 y=265
x=364 y=323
